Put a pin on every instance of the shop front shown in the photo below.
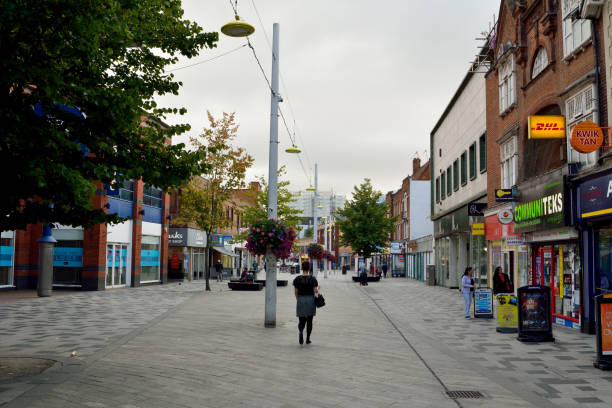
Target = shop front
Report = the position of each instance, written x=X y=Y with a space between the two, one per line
x=398 y=259
x=7 y=255
x=553 y=251
x=186 y=253
x=593 y=213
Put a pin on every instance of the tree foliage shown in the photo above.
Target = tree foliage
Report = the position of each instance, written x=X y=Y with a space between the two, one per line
x=106 y=60
x=259 y=211
x=364 y=222
x=202 y=201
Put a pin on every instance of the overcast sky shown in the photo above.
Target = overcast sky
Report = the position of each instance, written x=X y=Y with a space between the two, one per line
x=367 y=81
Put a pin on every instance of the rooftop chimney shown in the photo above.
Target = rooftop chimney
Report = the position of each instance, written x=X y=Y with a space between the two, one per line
x=416 y=164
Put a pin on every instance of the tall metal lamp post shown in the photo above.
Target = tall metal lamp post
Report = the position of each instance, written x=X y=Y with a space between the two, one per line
x=241 y=29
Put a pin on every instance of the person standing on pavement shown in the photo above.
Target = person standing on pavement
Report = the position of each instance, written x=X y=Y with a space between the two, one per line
x=466 y=289
x=219 y=269
x=384 y=270
x=305 y=287
x=501 y=282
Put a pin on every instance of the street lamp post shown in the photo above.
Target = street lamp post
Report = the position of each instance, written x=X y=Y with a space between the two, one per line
x=314 y=216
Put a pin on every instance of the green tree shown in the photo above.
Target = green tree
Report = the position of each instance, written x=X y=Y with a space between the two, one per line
x=105 y=59
x=259 y=211
x=202 y=201
x=308 y=233
x=364 y=221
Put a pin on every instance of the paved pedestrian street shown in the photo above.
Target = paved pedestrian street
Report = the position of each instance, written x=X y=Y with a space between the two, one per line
x=395 y=343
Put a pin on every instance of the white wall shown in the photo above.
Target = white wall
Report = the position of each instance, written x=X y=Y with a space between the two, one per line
x=462 y=126
x=151 y=228
x=421 y=224
x=119 y=233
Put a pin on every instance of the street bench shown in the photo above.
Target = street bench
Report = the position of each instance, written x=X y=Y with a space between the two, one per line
x=279 y=282
x=244 y=286
x=370 y=278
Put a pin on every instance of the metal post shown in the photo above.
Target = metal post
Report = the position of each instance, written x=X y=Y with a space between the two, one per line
x=270 y=311
x=45 y=262
x=314 y=216
x=326 y=248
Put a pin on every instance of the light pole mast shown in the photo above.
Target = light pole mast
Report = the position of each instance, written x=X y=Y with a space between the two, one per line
x=270 y=312
x=314 y=216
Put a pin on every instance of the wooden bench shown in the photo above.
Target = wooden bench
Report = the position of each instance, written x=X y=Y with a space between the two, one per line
x=244 y=286
x=370 y=278
x=279 y=282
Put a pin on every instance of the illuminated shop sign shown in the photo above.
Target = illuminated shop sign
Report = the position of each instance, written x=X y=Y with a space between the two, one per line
x=543 y=212
x=586 y=137
x=546 y=127
x=595 y=197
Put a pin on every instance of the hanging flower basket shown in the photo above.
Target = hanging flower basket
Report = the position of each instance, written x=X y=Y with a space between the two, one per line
x=271 y=234
x=315 y=251
x=330 y=257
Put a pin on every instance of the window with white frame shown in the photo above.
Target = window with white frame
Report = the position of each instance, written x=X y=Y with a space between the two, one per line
x=507 y=83
x=539 y=63
x=580 y=107
x=576 y=31
x=509 y=162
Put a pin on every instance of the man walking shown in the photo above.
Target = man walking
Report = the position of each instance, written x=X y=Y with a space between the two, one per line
x=219 y=269
x=384 y=270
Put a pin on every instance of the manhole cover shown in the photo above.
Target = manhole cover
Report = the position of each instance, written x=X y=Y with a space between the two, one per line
x=12 y=367
x=464 y=394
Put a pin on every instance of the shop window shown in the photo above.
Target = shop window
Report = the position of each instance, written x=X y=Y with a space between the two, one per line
x=126 y=191
x=443 y=184
x=580 y=107
x=463 y=168
x=472 y=157
x=507 y=83
x=152 y=196
x=576 y=31
x=6 y=258
x=509 y=162
x=540 y=62
x=482 y=149
x=437 y=189
x=68 y=262
x=456 y=175
x=449 y=181
x=603 y=277
x=149 y=259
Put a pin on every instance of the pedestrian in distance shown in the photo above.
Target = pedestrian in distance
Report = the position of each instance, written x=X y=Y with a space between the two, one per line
x=466 y=289
x=501 y=282
x=305 y=288
x=384 y=270
x=363 y=278
x=219 y=270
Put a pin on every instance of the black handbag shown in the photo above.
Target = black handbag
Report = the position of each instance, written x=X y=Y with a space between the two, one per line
x=319 y=300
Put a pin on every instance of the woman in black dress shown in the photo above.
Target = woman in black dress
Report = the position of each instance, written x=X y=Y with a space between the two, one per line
x=305 y=288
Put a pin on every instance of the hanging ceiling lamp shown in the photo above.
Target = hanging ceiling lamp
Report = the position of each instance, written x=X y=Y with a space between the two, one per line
x=311 y=188
x=293 y=149
x=319 y=206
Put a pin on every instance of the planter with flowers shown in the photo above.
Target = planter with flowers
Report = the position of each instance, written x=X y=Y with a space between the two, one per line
x=315 y=251
x=271 y=235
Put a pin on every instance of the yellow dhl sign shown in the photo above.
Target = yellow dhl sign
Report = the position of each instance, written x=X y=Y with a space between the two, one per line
x=546 y=127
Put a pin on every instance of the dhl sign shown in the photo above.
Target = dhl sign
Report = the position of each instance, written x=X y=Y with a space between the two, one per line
x=546 y=127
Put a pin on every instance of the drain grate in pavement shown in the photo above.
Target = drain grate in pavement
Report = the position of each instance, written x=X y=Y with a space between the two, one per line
x=464 y=394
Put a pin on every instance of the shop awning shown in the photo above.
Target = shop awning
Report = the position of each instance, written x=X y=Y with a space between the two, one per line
x=224 y=251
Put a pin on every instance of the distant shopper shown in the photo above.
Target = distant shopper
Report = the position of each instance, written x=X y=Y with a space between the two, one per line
x=384 y=269
x=371 y=269
x=363 y=277
x=466 y=289
x=219 y=269
x=305 y=287
x=243 y=275
x=501 y=282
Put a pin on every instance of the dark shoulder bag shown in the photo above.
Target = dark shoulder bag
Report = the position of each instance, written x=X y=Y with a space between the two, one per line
x=319 y=300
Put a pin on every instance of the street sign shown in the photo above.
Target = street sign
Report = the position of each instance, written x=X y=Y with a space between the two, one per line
x=504 y=194
x=546 y=127
x=478 y=228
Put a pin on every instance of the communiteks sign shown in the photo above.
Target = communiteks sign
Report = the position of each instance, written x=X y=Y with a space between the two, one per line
x=543 y=212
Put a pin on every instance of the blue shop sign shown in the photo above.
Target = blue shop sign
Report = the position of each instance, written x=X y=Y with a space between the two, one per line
x=120 y=257
x=6 y=255
x=149 y=257
x=595 y=197
x=68 y=257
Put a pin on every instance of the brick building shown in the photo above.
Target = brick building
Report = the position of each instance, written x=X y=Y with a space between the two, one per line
x=545 y=61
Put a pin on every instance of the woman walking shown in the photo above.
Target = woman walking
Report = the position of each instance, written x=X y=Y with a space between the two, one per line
x=305 y=288
x=466 y=289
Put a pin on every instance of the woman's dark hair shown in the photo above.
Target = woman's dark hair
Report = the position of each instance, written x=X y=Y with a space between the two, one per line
x=305 y=266
x=469 y=268
x=498 y=269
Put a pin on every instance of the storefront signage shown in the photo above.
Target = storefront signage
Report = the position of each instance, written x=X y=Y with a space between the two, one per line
x=149 y=257
x=6 y=255
x=177 y=237
x=476 y=209
x=396 y=248
x=546 y=127
x=504 y=194
x=606 y=328
x=68 y=257
x=507 y=313
x=595 y=197
x=186 y=237
x=586 y=137
x=478 y=228
x=220 y=240
x=544 y=212
x=505 y=216
x=515 y=240
x=483 y=303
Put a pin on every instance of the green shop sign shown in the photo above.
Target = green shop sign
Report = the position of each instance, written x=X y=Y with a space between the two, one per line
x=543 y=212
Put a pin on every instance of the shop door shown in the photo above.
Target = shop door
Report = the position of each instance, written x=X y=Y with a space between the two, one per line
x=116 y=265
x=508 y=264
